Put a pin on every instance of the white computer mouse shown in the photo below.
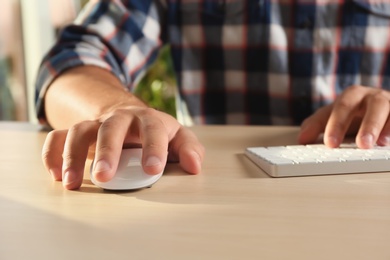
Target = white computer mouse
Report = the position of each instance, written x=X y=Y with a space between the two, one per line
x=129 y=175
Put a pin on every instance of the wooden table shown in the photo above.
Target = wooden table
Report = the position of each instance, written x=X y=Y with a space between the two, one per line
x=231 y=211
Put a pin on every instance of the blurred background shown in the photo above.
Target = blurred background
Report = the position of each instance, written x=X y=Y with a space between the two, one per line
x=29 y=28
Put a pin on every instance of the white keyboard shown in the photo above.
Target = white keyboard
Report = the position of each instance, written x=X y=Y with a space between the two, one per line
x=317 y=159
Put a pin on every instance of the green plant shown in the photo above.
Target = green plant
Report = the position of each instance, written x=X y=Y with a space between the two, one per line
x=157 y=87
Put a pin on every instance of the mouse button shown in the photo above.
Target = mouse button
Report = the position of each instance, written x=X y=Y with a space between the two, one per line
x=129 y=163
x=131 y=153
x=130 y=156
x=131 y=172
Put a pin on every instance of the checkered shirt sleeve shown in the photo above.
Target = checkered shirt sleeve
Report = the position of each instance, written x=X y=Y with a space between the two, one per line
x=120 y=36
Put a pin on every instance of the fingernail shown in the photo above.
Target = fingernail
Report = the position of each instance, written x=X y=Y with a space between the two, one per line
x=333 y=141
x=367 y=140
x=53 y=174
x=196 y=156
x=384 y=140
x=69 y=178
x=198 y=160
x=102 y=166
x=152 y=161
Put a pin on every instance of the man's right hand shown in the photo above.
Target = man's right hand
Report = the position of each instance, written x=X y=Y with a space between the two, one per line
x=66 y=149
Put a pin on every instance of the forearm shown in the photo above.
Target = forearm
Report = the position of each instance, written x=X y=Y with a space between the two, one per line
x=85 y=93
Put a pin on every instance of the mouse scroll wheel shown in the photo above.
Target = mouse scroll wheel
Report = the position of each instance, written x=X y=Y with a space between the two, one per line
x=133 y=162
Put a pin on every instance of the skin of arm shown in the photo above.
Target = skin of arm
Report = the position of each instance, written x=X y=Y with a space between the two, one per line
x=94 y=116
x=84 y=93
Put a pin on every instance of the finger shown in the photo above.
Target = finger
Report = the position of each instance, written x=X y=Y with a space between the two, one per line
x=314 y=125
x=52 y=153
x=77 y=143
x=384 y=137
x=155 y=135
x=342 y=114
x=110 y=139
x=377 y=111
x=189 y=150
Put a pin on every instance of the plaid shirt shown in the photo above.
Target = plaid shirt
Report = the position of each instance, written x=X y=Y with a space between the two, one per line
x=237 y=61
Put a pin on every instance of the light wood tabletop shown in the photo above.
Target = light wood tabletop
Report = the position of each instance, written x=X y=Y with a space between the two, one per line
x=232 y=210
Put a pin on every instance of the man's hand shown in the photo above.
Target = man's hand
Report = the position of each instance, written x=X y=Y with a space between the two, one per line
x=359 y=110
x=65 y=151
x=95 y=116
